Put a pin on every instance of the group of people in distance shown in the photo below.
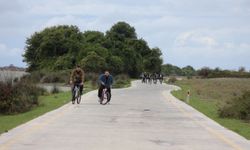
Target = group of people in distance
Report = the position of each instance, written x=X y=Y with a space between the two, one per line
x=151 y=77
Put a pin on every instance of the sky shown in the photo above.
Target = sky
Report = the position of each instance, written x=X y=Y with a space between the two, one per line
x=212 y=33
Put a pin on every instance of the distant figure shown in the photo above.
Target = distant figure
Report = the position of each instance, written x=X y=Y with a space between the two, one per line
x=160 y=78
x=142 y=77
x=155 y=78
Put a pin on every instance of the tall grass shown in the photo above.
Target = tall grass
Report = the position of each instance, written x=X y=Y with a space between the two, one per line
x=208 y=95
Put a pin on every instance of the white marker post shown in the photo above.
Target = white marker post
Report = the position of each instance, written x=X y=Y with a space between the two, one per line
x=188 y=96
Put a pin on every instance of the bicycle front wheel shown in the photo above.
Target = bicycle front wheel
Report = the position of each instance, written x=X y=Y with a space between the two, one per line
x=78 y=98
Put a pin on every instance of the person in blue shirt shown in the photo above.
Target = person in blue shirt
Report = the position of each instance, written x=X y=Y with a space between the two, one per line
x=105 y=81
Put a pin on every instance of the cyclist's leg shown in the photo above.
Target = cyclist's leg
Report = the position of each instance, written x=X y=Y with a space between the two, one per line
x=81 y=89
x=101 y=87
x=109 y=90
x=72 y=91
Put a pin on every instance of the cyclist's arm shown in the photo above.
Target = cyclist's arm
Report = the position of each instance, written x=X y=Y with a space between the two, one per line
x=100 y=80
x=72 y=76
x=111 y=80
x=82 y=76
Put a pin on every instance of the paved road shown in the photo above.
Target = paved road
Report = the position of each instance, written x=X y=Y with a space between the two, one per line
x=143 y=117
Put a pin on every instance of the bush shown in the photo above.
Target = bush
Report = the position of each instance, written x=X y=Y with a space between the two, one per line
x=122 y=77
x=18 y=97
x=238 y=108
x=55 y=89
x=172 y=80
x=56 y=77
x=121 y=81
x=90 y=76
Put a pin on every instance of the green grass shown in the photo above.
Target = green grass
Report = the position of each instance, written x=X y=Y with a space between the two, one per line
x=122 y=83
x=207 y=94
x=46 y=104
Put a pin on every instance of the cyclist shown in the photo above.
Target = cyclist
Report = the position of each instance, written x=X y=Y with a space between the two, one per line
x=77 y=78
x=105 y=80
x=161 y=77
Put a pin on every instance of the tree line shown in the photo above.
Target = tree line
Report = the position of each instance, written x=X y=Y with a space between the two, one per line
x=118 y=50
x=205 y=72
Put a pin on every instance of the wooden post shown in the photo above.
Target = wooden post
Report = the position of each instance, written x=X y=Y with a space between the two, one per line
x=188 y=96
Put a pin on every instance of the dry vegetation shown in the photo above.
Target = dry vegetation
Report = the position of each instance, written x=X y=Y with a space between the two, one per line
x=225 y=100
x=218 y=89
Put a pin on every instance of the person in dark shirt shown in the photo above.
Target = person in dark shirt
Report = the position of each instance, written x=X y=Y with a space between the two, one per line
x=105 y=81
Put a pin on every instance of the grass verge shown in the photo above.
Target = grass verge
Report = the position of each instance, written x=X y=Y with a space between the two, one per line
x=205 y=96
x=47 y=103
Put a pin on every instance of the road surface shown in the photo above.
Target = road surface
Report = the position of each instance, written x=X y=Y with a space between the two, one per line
x=143 y=117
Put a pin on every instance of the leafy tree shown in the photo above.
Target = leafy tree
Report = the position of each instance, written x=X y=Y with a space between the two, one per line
x=51 y=43
x=64 y=62
x=94 y=37
x=61 y=47
x=188 y=71
x=93 y=63
x=169 y=69
x=115 y=64
x=205 y=72
x=121 y=31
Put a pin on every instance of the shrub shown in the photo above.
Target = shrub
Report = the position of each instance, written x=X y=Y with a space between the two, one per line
x=121 y=81
x=122 y=77
x=172 y=80
x=55 y=89
x=18 y=97
x=56 y=77
x=237 y=108
x=90 y=76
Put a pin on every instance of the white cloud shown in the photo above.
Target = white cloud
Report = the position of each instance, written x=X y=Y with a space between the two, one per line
x=196 y=39
x=192 y=27
x=6 y=51
x=10 y=55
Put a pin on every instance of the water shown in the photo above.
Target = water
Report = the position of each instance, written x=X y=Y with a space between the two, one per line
x=11 y=75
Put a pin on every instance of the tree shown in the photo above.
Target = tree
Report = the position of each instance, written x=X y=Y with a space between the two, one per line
x=153 y=61
x=94 y=37
x=115 y=64
x=169 y=69
x=44 y=48
x=61 y=47
x=205 y=72
x=121 y=31
x=242 y=69
x=93 y=63
x=188 y=71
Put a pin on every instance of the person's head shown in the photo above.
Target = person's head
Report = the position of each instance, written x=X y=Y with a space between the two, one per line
x=78 y=66
x=106 y=73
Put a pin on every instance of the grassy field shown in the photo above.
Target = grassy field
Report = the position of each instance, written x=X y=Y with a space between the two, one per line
x=47 y=103
x=208 y=94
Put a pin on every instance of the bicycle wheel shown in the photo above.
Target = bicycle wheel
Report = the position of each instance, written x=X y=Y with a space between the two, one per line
x=104 y=98
x=73 y=96
x=78 y=98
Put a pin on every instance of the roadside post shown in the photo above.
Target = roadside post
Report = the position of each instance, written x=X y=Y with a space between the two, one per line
x=188 y=97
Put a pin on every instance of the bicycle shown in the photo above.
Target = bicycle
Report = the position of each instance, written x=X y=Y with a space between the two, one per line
x=155 y=81
x=106 y=96
x=161 y=80
x=77 y=95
